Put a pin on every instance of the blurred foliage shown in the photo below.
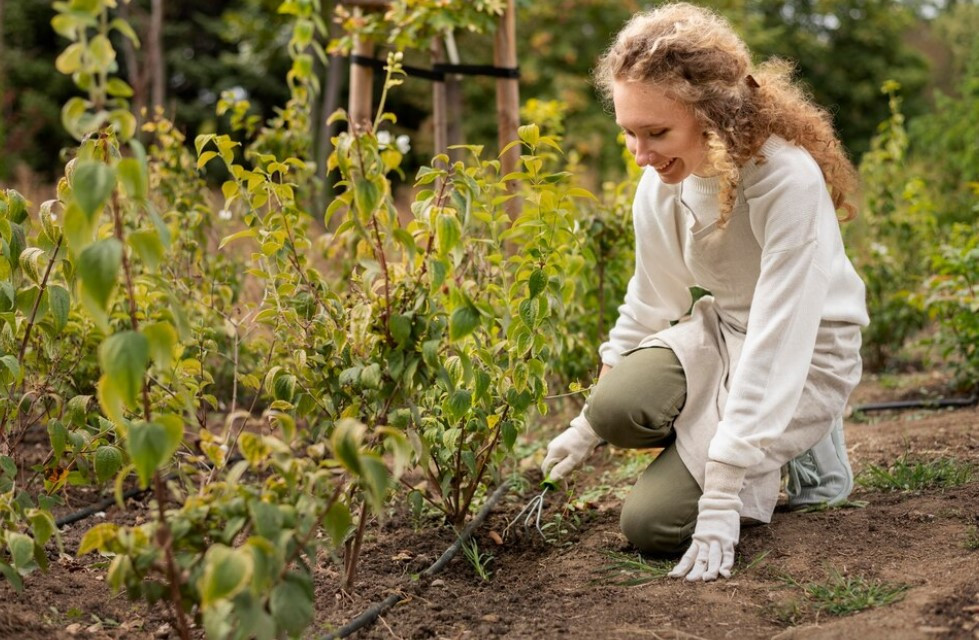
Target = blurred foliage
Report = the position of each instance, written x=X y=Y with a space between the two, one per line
x=845 y=49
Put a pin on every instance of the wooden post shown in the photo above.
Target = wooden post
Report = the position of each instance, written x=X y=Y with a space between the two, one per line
x=440 y=124
x=508 y=95
x=154 y=54
x=361 y=105
x=453 y=100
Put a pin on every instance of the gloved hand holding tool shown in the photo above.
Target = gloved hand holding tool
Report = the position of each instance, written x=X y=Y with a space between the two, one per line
x=570 y=448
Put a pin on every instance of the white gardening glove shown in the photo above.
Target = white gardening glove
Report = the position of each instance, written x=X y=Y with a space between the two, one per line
x=718 y=526
x=567 y=451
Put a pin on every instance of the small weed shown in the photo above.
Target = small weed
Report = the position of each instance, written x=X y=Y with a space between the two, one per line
x=909 y=475
x=972 y=538
x=479 y=561
x=630 y=570
x=842 y=595
x=754 y=562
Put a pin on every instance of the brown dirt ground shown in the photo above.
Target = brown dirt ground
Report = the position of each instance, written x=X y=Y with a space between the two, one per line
x=562 y=589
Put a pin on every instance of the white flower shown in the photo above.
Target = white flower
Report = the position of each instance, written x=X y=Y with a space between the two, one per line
x=403 y=143
x=384 y=138
x=224 y=214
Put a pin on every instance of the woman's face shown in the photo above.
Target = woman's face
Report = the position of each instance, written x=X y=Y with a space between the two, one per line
x=659 y=131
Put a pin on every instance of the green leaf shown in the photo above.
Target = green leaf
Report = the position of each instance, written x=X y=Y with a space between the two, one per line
x=537 y=282
x=42 y=525
x=401 y=328
x=12 y=576
x=123 y=357
x=284 y=388
x=161 y=338
x=21 y=549
x=30 y=262
x=11 y=367
x=101 y=50
x=108 y=461
x=291 y=603
x=226 y=572
x=133 y=178
x=267 y=519
x=458 y=404
x=147 y=245
x=448 y=231
x=92 y=184
x=70 y=59
x=464 y=321
x=529 y=133
x=98 y=267
x=78 y=229
x=58 y=436
x=7 y=466
x=346 y=439
x=117 y=87
x=123 y=27
x=337 y=523
x=367 y=197
x=247 y=233
x=97 y=537
x=151 y=445
x=254 y=449
x=59 y=303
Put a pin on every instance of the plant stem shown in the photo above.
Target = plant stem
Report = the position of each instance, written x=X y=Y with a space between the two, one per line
x=354 y=550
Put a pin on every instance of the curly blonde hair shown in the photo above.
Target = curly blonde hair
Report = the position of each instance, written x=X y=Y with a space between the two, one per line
x=700 y=61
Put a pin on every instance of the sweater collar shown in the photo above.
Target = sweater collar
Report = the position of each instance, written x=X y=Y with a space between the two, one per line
x=712 y=185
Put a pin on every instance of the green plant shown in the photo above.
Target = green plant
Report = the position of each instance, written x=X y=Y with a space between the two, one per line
x=630 y=569
x=478 y=560
x=891 y=238
x=950 y=298
x=907 y=474
x=841 y=595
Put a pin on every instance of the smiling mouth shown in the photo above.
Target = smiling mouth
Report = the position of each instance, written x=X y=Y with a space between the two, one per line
x=666 y=165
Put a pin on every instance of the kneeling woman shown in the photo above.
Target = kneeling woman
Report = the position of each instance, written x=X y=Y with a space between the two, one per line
x=743 y=180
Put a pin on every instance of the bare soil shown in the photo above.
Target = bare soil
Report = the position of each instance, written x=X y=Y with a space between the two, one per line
x=565 y=589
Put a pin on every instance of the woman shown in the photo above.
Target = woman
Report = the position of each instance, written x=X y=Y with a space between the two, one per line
x=743 y=180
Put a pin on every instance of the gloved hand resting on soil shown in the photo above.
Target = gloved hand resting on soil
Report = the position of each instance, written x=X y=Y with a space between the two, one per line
x=718 y=526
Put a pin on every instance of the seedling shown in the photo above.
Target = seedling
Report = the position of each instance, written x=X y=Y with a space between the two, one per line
x=479 y=561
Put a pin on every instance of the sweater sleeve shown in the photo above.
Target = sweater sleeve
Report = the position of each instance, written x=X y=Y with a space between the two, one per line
x=792 y=218
x=658 y=292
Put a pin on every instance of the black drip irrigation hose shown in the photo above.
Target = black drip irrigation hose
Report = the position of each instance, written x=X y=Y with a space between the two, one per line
x=134 y=492
x=941 y=403
x=370 y=615
x=98 y=506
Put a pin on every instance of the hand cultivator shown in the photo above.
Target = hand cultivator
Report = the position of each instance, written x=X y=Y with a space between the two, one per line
x=532 y=512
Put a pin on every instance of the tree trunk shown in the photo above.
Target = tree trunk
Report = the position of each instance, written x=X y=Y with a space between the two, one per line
x=135 y=74
x=154 y=56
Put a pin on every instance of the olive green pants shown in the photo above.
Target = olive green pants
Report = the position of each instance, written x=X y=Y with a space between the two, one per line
x=634 y=406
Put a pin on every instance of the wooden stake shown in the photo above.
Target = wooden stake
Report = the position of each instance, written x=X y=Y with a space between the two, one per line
x=508 y=96
x=360 y=109
x=440 y=124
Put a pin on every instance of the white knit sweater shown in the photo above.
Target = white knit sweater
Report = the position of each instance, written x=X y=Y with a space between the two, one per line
x=778 y=274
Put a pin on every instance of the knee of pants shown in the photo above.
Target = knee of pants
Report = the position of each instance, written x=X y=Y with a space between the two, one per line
x=658 y=529
x=623 y=420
